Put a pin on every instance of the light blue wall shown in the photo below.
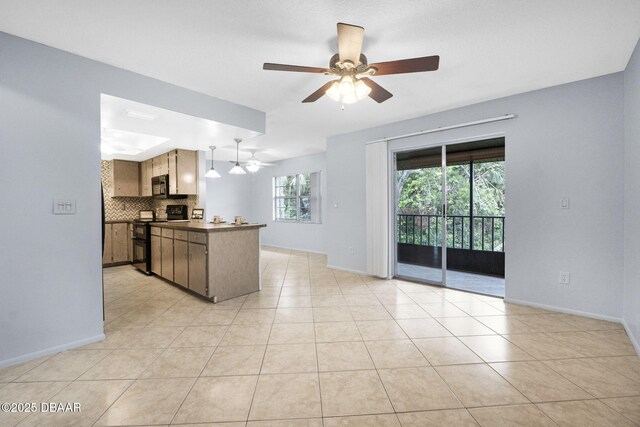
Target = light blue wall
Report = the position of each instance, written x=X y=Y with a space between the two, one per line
x=229 y=195
x=567 y=141
x=632 y=197
x=305 y=237
x=50 y=290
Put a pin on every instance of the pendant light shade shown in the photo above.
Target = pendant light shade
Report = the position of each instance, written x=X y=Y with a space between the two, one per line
x=237 y=169
x=212 y=173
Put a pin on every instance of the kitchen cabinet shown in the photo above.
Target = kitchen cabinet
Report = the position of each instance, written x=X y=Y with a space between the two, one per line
x=116 y=243
x=222 y=261
x=183 y=172
x=107 y=255
x=160 y=165
x=125 y=178
x=198 y=268
x=120 y=242
x=181 y=262
x=146 y=173
x=156 y=251
x=166 y=270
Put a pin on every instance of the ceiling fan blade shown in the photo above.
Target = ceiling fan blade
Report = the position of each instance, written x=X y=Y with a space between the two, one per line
x=378 y=93
x=414 y=65
x=295 y=68
x=350 y=39
x=319 y=93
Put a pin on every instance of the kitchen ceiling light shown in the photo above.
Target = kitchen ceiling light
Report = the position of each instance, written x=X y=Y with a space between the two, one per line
x=139 y=115
x=212 y=173
x=237 y=169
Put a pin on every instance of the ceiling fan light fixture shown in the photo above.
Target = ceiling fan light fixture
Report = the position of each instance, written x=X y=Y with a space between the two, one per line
x=253 y=168
x=348 y=90
x=333 y=92
x=362 y=90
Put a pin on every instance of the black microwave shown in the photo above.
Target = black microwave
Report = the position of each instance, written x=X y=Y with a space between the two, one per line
x=160 y=188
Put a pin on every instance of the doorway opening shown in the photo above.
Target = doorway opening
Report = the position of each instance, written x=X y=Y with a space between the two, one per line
x=450 y=216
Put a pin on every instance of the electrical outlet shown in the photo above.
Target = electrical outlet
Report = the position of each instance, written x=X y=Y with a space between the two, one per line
x=565 y=278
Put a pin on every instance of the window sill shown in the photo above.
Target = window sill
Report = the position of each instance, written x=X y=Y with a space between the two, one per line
x=284 y=221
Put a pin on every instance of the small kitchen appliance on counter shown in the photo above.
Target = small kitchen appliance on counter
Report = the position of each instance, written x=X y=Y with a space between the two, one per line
x=177 y=213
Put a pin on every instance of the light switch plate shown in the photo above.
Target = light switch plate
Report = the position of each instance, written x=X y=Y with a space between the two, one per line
x=564 y=203
x=64 y=207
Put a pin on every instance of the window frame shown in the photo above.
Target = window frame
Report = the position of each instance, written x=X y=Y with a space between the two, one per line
x=313 y=200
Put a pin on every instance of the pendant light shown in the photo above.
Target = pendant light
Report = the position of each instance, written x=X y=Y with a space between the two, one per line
x=237 y=169
x=212 y=173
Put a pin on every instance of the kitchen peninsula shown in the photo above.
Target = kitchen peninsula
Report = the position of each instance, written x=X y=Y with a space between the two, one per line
x=217 y=261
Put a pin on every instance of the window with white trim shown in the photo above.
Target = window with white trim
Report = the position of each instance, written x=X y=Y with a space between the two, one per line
x=296 y=198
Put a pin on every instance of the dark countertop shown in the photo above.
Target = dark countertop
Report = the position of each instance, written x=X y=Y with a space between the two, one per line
x=205 y=226
x=118 y=221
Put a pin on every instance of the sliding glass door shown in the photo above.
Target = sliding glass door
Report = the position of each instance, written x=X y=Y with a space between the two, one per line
x=450 y=215
x=421 y=225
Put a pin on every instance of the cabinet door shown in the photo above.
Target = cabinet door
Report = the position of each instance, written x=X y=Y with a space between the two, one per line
x=167 y=258
x=187 y=172
x=126 y=178
x=156 y=254
x=160 y=165
x=181 y=263
x=145 y=178
x=120 y=242
x=107 y=255
x=173 y=179
x=198 y=268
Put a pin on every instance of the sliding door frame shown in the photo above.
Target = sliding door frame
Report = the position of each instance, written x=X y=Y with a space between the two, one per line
x=393 y=215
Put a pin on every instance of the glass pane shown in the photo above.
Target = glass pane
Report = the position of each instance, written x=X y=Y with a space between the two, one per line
x=305 y=184
x=488 y=205
x=290 y=186
x=419 y=215
x=458 y=205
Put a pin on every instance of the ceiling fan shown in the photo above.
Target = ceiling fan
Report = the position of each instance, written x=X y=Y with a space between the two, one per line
x=351 y=67
x=252 y=164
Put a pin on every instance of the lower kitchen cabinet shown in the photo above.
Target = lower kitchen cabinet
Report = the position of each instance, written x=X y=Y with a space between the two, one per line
x=166 y=270
x=219 y=263
x=156 y=253
x=198 y=268
x=116 y=243
x=107 y=254
x=120 y=242
x=181 y=262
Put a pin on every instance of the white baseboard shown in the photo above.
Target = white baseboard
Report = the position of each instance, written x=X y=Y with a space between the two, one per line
x=50 y=350
x=635 y=343
x=564 y=310
x=292 y=249
x=363 y=273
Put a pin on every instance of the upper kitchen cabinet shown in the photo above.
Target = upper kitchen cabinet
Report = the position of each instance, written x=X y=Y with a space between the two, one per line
x=125 y=178
x=183 y=172
x=146 y=173
x=160 y=165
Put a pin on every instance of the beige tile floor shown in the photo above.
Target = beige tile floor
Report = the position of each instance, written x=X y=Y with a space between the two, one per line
x=323 y=347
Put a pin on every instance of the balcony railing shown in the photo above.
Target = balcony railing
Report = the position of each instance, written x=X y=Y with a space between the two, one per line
x=481 y=233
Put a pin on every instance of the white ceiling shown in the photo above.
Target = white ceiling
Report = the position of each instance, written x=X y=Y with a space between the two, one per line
x=168 y=130
x=488 y=49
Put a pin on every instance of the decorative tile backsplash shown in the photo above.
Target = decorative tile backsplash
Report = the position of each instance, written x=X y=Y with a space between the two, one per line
x=127 y=208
